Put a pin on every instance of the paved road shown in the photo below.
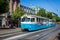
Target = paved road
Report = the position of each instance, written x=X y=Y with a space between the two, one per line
x=46 y=34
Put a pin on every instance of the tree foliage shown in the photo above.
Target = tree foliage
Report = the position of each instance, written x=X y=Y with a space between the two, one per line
x=41 y=12
x=56 y=18
x=17 y=13
x=49 y=15
x=4 y=6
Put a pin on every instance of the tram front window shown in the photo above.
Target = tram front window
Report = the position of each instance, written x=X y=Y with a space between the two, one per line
x=25 y=19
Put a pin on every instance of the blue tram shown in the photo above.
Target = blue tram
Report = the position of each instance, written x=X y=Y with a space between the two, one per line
x=33 y=22
x=52 y=22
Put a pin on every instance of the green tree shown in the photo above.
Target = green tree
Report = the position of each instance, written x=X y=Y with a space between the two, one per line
x=16 y=16
x=17 y=13
x=49 y=15
x=56 y=18
x=41 y=12
x=4 y=6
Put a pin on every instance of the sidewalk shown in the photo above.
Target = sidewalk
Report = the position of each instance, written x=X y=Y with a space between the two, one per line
x=8 y=31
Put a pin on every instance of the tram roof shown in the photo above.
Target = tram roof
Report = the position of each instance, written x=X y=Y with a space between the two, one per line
x=33 y=16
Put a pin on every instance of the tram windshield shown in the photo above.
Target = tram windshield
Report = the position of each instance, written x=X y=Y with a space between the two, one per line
x=26 y=19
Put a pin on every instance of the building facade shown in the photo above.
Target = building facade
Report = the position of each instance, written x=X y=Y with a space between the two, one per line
x=36 y=9
x=54 y=14
x=27 y=10
x=13 y=4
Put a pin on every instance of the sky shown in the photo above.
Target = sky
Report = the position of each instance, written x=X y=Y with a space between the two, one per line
x=49 y=5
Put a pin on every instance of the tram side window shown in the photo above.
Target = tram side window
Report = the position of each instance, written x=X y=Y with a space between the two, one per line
x=25 y=19
x=32 y=19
